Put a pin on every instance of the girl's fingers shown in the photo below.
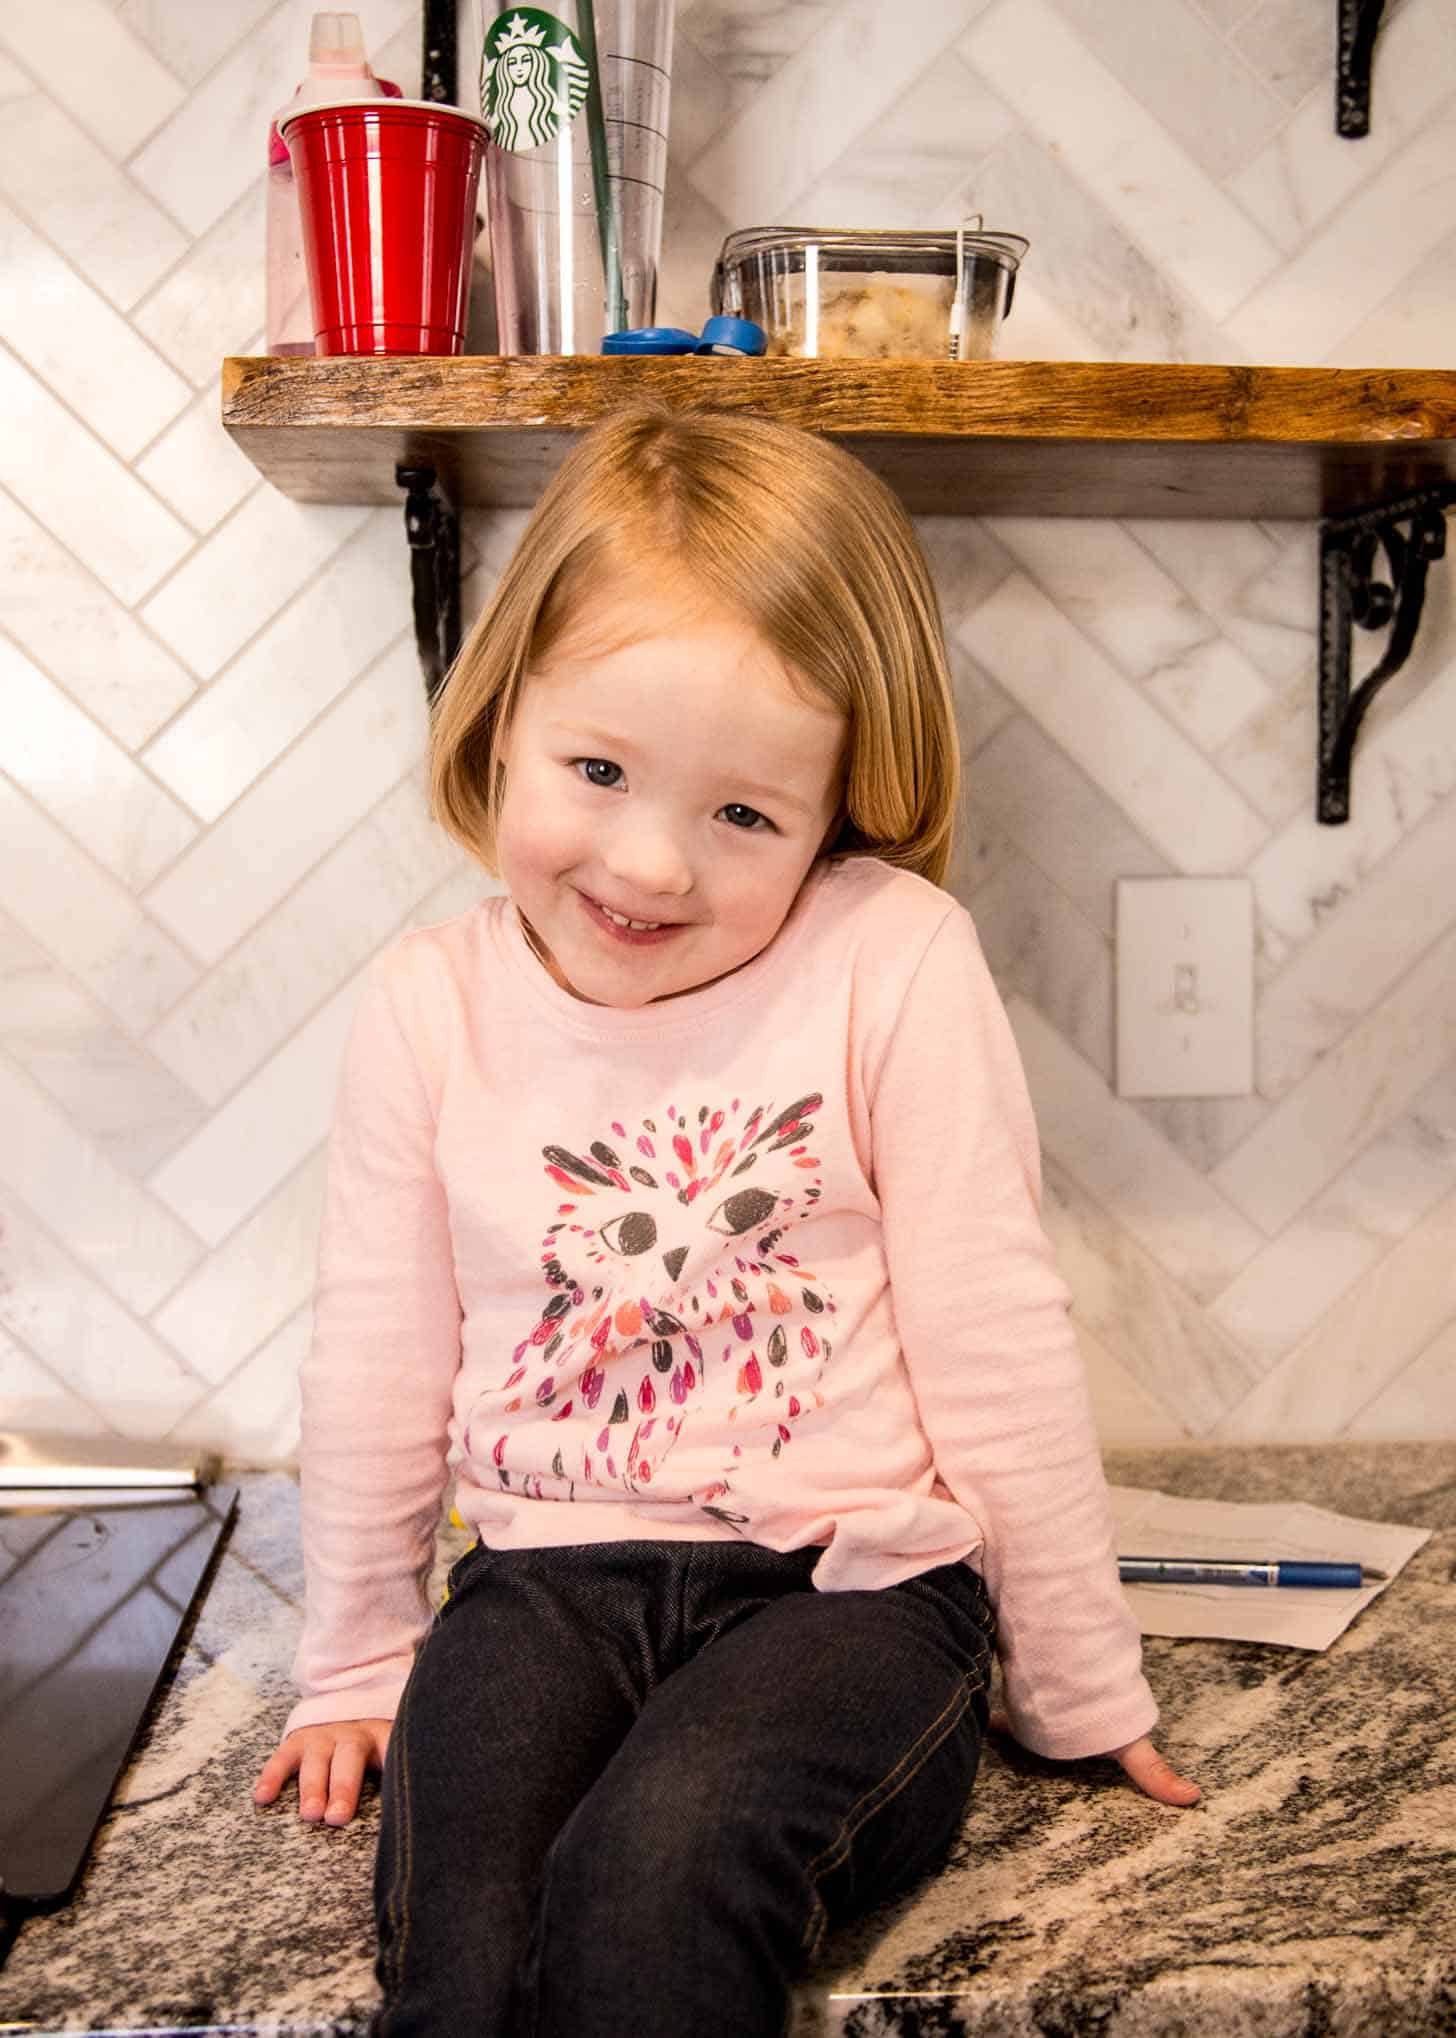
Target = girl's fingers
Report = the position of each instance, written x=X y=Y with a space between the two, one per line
x=275 y=1773
x=345 y=1777
x=313 y=1780
x=1155 y=1775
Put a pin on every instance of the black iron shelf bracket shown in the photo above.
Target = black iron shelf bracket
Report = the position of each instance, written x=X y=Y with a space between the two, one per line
x=1359 y=20
x=433 y=531
x=1411 y=531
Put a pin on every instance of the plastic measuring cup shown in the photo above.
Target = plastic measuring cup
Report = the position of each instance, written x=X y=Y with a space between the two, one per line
x=387 y=192
x=576 y=101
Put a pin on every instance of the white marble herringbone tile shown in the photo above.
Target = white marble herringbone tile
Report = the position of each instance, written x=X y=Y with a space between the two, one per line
x=1214 y=562
x=749 y=40
x=1210 y=692
x=1193 y=1231
x=1405 y=769
x=902 y=171
x=1271 y=756
x=62 y=1316
x=1111 y=300
x=265 y=1129
x=1061 y=818
x=1168 y=57
x=1109 y=586
x=1287 y=44
x=75 y=341
x=1412 y=328
x=1363 y=1345
x=1125 y=1298
x=211 y=303
x=195 y=468
x=117 y=1095
x=295 y=813
x=1163 y=784
x=80 y=491
x=1363 y=943
x=1226 y=14
x=254 y=1415
x=70 y=190
x=187 y=38
x=84 y=780
x=1309 y=172
x=817 y=102
x=1123 y=1409
x=257 y=560
x=1040 y=948
x=1349 y=1096
x=34 y=1397
x=214 y=145
x=1385 y=1191
x=85 y=918
x=299 y=954
x=1419 y=1402
x=95 y=67
x=1352 y=264
x=1121 y=151
x=348 y=614
x=109 y=1223
x=79 y=633
x=245 y=1290
x=1203 y=1129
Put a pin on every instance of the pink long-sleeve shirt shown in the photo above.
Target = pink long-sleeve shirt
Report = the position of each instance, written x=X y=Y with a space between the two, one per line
x=762 y=1260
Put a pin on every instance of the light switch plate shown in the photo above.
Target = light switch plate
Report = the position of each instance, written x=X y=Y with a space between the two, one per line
x=1185 y=987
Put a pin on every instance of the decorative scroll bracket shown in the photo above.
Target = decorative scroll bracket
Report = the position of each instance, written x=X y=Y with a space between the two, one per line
x=1412 y=532
x=433 y=531
x=1358 y=22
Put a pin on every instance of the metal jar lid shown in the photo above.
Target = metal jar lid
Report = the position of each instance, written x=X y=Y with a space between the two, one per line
x=852 y=248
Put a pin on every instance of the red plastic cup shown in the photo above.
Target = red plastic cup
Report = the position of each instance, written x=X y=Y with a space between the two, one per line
x=386 y=191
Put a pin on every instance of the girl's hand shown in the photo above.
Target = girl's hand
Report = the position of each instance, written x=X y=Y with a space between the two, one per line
x=1152 y=1773
x=329 y=1762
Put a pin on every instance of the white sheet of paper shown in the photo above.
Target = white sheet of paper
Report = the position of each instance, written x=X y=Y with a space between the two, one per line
x=1151 y=1524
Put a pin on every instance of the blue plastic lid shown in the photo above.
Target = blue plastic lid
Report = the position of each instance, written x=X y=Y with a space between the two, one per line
x=651 y=340
x=732 y=336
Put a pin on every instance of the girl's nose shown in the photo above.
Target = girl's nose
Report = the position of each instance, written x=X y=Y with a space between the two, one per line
x=647 y=860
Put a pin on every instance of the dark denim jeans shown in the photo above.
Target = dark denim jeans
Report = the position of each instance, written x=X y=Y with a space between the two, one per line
x=632 y=1784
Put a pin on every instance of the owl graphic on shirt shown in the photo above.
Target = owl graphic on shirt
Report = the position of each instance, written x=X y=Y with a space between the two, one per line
x=669 y=1287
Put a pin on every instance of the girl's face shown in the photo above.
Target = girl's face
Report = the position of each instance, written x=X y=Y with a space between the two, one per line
x=676 y=780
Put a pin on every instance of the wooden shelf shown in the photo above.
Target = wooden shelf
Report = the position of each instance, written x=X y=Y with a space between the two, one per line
x=1012 y=438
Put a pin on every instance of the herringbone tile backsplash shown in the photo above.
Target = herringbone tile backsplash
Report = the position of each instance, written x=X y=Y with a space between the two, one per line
x=211 y=719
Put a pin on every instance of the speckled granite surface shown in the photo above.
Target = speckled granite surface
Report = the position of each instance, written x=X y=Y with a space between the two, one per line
x=1312 y=1893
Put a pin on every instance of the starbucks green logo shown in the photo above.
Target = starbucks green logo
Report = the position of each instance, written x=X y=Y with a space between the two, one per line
x=533 y=78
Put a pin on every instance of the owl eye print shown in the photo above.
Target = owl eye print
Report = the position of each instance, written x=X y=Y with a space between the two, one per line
x=671 y=1291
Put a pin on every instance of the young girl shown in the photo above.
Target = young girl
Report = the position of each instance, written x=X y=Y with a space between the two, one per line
x=684 y=1205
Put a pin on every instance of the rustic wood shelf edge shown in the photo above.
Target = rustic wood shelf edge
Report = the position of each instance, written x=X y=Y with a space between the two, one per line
x=1370 y=452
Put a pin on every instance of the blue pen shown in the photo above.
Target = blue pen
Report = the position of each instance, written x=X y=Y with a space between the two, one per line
x=1242 y=1571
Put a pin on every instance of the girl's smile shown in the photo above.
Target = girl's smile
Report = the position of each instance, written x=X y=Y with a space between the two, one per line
x=667 y=789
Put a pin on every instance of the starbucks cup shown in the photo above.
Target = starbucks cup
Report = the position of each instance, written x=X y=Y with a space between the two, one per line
x=576 y=102
x=386 y=191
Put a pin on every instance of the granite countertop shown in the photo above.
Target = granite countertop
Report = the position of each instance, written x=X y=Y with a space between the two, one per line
x=1311 y=1893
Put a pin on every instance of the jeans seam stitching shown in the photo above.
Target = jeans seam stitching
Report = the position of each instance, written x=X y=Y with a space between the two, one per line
x=875 y=1798
x=397 y=1901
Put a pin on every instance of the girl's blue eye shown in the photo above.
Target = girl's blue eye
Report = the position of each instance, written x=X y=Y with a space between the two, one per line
x=747 y=818
x=598 y=770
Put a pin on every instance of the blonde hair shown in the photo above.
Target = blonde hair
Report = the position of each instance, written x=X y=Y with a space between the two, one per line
x=780 y=528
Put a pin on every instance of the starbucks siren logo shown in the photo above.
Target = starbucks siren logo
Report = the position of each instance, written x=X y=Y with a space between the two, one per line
x=533 y=78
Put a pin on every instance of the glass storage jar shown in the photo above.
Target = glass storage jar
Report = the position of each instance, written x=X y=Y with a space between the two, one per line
x=836 y=291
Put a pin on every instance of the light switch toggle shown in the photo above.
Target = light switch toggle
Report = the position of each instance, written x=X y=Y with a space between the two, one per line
x=1185 y=987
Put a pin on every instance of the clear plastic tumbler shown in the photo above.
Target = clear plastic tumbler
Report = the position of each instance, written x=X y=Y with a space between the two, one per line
x=576 y=104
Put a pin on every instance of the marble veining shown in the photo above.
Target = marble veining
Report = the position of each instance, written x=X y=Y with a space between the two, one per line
x=1310 y=1895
